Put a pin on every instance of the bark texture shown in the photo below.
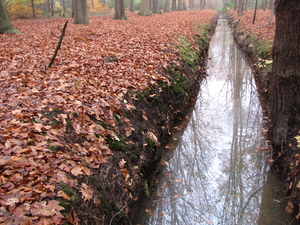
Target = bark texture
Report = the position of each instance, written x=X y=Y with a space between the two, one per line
x=285 y=82
x=5 y=25
x=119 y=10
x=81 y=15
x=145 y=11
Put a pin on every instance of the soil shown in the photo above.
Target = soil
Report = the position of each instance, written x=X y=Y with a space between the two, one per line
x=285 y=161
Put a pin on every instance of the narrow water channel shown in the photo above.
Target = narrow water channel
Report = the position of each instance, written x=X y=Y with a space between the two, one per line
x=217 y=172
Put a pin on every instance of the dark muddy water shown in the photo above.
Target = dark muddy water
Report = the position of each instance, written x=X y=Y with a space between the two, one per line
x=218 y=173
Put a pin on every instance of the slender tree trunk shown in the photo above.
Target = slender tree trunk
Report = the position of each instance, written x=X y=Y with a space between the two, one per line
x=5 y=25
x=73 y=8
x=272 y=7
x=173 y=5
x=285 y=82
x=52 y=7
x=265 y=5
x=145 y=11
x=167 y=6
x=64 y=8
x=33 y=9
x=131 y=8
x=81 y=15
x=255 y=9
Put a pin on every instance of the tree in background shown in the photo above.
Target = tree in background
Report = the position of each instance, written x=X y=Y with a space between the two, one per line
x=156 y=7
x=131 y=7
x=167 y=6
x=81 y=15
x=173 y=5
x=285 y=81
x=120 y=10
x=144 y=10
x=5 y=25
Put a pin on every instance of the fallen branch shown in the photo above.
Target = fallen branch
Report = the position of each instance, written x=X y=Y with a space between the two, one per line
x=58 y=44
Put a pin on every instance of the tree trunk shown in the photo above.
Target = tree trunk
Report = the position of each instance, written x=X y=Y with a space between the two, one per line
x=184 y=5
x=33 y=9
x=167 y=6
x=81 y=15
x=179 y=5
x=241 y=7
x=5 y=25
x=235 y=5
x=145 y=11
x=64 y=8
x=272 y=7
x=284 y=111
x=150 y=5
x=156 y=7
x=265 y=5
x=173 y=5
x=131 y=8
x=73 y=8
x=119 y=10
x=255 y=9
x=52 y=7
x=191 y=4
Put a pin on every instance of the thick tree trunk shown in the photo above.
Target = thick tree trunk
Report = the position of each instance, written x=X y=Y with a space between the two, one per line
x=156 y=7
x=179 y=8
x=150 y=5
x=119 y=10
x=285 y=82
x=191 y=4
x=81 y=15
x=145 y=11
x=167 y=6
x=173 y=5
x=5 y=25
x=241 y=7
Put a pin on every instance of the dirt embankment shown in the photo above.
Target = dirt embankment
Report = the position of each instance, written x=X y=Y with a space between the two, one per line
x=255 y=40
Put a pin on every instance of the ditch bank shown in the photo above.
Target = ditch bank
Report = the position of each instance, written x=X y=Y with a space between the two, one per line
x=144 y=123
x=286 y=165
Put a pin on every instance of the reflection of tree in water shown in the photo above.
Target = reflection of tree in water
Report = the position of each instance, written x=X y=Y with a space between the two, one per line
x=216 y=175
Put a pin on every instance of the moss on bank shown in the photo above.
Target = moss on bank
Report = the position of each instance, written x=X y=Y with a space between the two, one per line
x=144 y=124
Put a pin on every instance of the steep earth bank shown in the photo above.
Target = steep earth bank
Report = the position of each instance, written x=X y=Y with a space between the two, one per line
x=284 y=162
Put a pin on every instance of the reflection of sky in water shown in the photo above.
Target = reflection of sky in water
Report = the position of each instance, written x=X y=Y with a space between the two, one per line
x=216 y=176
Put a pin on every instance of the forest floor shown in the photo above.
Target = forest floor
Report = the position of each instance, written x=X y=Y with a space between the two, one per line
x=77 y=139
x=256 y=41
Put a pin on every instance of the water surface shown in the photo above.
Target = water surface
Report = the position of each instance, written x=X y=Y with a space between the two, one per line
x=217 y=173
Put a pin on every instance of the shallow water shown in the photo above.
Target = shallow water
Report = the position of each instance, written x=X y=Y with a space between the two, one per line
x=218 y=171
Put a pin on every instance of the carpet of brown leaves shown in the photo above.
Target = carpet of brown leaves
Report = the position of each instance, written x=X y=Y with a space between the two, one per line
x=264 y=26
x=96 y=65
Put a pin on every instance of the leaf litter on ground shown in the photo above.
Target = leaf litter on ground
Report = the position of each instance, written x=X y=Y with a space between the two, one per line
x=96 y=65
